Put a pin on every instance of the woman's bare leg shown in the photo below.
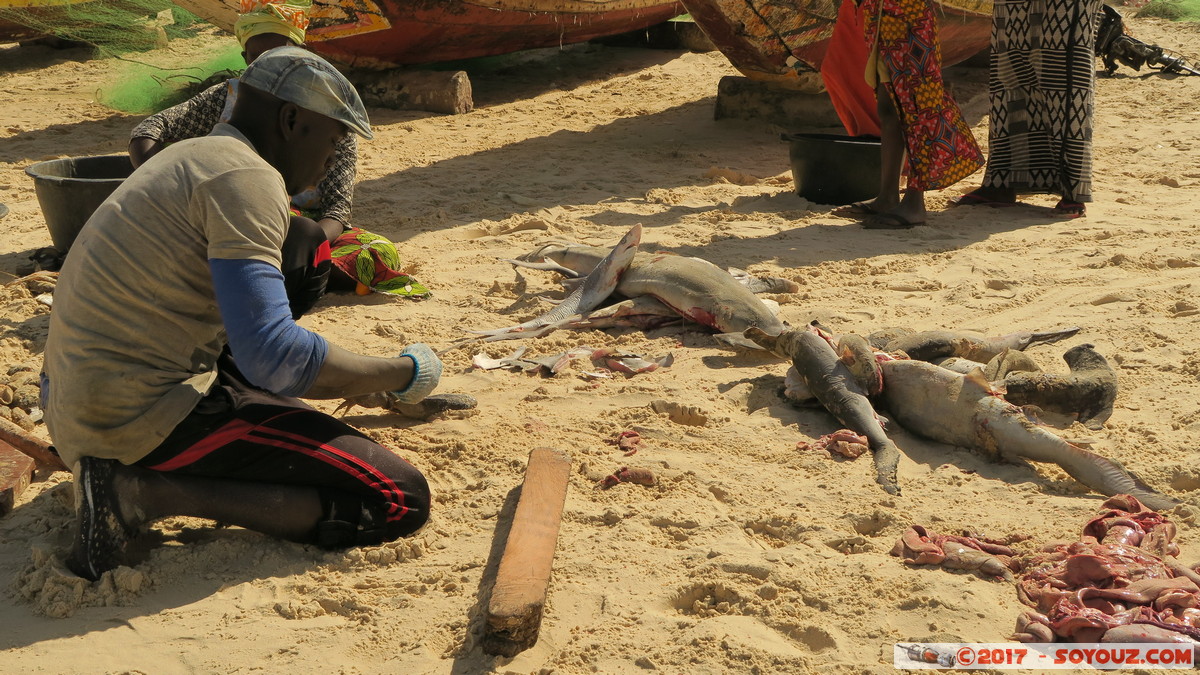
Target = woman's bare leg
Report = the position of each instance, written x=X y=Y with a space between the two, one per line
x=891 y=151
x=893 y=210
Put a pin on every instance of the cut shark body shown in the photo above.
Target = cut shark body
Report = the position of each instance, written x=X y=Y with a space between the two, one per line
x=835 y=386
x=1088 y=391
x=644 y=312
x=935 y=344
x=695 y=289
x=699 y=291
x=605 y=275
x=963 y=410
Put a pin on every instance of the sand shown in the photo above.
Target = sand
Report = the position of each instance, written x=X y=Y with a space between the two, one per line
x=749 y=555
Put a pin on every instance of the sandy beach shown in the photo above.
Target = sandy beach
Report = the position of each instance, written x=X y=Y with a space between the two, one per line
x=748 y=555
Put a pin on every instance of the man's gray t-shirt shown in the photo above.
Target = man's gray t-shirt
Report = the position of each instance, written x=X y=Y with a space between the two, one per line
x=135 y=331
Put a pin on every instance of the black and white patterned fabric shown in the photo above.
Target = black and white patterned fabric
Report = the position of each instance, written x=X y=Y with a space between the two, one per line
x=1041 y=85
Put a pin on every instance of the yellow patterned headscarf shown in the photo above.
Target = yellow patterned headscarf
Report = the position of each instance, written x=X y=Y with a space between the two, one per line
x=283 y=17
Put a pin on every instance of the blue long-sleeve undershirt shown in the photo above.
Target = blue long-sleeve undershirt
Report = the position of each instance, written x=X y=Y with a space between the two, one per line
x=269 y=348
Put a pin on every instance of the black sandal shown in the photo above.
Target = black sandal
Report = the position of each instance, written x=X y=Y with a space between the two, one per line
x=889 y=221
x=1069 y=209
x=856 y=210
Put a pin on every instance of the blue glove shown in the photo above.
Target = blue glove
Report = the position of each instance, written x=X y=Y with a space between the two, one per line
x=427 y=372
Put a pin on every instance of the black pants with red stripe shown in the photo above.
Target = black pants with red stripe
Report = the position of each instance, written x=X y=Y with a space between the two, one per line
x=239 y=432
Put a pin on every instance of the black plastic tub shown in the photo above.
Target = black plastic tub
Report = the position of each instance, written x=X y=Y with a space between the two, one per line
x=70 y=189
x=832 y=169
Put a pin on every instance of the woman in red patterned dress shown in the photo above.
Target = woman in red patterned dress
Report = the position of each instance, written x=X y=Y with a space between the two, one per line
x=921 y=127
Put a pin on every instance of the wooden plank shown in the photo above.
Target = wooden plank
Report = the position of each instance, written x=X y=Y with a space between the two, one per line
x=431 y=90
x=514 y=612
x=16 y=470
x=31 y=445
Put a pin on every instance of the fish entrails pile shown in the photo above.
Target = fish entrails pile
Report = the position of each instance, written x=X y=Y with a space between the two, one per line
x=1120 y=582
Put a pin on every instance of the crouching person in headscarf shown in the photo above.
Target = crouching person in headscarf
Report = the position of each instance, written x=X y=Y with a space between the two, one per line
x=173 y=361
x=321 y=213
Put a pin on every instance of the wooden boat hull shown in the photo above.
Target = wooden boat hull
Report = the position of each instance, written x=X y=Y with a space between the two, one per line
x=783 y=41
x=387 y=33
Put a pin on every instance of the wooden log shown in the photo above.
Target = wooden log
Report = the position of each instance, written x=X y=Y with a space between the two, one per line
x=514 y=612
x=35 y=447
x=431 y=90
x=16 y=471
x=745 y=99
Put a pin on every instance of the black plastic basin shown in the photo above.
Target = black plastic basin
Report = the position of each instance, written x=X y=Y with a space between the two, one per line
x=831 y=169
x=70 y=189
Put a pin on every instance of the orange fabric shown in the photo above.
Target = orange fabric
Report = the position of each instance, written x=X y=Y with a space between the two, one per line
x=842 y=69
x=278 y=17
x=293 y=13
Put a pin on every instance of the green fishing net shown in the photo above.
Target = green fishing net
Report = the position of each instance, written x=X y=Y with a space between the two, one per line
x=1175 y=10
x=137 y=35
x=140 y=86
x=112 y=26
